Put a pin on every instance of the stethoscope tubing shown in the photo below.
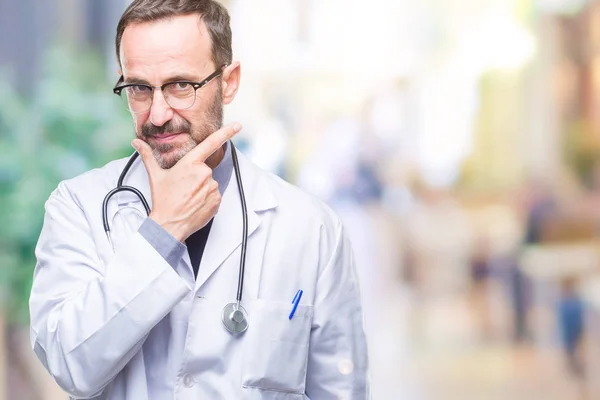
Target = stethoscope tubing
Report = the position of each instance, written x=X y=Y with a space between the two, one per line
x=122 y=188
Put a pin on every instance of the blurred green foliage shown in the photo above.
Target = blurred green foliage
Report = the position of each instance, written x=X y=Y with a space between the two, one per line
x=72 y=123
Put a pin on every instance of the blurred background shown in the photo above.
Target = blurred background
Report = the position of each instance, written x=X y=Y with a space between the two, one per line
x=459 y=140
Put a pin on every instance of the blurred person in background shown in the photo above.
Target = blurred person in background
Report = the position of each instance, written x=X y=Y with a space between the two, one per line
x=481 y=260
x=141 y=316
x=538 y=206
x=570 y=310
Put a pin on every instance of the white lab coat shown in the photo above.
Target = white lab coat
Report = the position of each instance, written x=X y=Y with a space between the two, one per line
x=128 y=326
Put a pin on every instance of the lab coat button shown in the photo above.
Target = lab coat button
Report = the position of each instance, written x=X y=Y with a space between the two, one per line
x=188 y=381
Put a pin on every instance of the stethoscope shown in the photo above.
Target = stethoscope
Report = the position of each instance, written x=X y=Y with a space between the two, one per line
x=234 y=316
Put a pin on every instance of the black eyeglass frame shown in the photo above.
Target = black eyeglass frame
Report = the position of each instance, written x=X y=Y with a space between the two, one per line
x=118 y=89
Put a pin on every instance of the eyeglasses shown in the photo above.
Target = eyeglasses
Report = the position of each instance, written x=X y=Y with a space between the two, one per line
x=179 y=95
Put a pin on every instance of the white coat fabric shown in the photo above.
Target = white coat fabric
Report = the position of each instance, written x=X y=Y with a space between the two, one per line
x=125 y=325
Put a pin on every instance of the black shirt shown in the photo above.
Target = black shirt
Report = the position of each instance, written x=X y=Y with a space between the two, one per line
x=196 y=244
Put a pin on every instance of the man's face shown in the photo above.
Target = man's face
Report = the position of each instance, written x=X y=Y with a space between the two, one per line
x=164 y=51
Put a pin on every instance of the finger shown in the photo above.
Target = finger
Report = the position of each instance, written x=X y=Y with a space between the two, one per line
x=147 y=156
x=213 y=142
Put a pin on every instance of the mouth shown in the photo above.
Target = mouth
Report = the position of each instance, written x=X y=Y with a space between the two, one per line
x=167 y=137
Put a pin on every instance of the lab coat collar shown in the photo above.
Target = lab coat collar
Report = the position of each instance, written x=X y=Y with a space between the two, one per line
x=226 y=231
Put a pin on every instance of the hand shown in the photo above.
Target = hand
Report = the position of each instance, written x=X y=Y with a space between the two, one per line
x=185 y=197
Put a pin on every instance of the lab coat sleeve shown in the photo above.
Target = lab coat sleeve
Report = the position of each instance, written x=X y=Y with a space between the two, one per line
x=89 y=318
x=338 y=362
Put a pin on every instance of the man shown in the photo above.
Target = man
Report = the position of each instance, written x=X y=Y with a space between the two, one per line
x=141 y=316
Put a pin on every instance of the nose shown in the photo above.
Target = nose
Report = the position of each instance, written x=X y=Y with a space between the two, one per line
x=160 y=111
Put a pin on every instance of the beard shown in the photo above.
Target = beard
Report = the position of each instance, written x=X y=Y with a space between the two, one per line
x=168 y=154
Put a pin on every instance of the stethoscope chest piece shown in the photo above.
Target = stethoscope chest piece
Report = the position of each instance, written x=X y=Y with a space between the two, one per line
x=235 y=318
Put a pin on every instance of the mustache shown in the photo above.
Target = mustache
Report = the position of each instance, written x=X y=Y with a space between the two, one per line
x=150 y=130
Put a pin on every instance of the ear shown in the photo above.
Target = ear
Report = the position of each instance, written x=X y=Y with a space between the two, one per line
x=231 y=81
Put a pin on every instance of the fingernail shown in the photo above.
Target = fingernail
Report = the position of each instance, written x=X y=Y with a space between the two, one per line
x=237 y=127
x=134 y=144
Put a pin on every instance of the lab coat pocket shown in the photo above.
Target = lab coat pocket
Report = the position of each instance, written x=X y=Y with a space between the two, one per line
x=276 y=347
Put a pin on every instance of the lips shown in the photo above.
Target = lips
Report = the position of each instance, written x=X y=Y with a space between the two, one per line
x=166 y=137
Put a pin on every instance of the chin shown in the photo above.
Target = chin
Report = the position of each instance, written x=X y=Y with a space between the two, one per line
x=168 y=159
x=169 y=155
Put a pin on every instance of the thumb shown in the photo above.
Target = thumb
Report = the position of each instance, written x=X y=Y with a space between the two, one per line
x=147 y=156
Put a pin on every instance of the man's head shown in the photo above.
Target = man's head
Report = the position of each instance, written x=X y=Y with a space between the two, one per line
x=165 y=41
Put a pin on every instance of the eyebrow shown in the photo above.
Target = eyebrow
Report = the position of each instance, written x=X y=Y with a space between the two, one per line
x=135 y=81
x=182 y=77
x=174 y=78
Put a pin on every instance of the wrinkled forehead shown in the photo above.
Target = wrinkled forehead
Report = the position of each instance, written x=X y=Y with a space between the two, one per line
x=179 y=44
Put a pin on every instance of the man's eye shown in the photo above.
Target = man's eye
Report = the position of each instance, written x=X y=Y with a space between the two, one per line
x=182 y=86
x=139 y=89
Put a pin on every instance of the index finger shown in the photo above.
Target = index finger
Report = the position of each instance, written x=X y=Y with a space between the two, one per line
x=213 y=142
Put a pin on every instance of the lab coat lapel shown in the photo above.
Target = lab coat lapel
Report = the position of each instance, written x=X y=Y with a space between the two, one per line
x=227 y=228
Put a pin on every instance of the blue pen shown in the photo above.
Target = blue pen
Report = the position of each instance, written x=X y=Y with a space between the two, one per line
x=295 y=302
